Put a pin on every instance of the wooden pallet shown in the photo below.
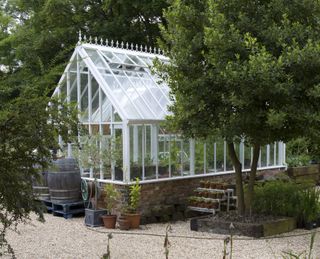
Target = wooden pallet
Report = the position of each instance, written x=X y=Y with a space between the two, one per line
x=67 y=210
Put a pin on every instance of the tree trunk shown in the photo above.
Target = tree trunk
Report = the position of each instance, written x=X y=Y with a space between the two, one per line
x=239 y=185
x=253 y=172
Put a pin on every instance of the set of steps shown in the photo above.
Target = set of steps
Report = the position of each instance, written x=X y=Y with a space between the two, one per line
x=66 y=210
x=214 y=197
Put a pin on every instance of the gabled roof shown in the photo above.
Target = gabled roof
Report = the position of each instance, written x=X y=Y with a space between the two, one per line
x=125 y=78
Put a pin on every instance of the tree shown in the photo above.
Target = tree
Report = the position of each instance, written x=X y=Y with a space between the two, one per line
x=249 y=69
x=37 y=39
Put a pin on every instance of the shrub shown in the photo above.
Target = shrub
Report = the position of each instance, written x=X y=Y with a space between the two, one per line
x=287 y=198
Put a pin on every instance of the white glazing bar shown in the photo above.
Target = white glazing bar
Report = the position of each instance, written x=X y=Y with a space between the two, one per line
x=126 y=152
x=215 y=157
x=268 y=155
x=156 y=148
x=143 y=150
x=224 y=156
x=89 y=116
x=284 y=154
x=89 y=102
x=275 y=153
x=251 y=155
x=137 y=73
x=60 y=137
x=192 y=156
x=205 y=158
x=116 y=79
x=140 y=95
x=113 y=147
x=79 y=101
x=241 y=152
x=169 y=150
x=101 y=81
x=259 y=161
x=279 y=153
x=100 y=130
x=68 y=102
x=153 y=96
x=151 y=77
x=135 y=143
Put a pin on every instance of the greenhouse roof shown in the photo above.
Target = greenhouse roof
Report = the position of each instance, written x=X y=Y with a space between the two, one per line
x=123 y=72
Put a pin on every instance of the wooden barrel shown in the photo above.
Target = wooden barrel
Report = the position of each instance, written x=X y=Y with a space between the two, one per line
x=64 y=181
x=40 y=186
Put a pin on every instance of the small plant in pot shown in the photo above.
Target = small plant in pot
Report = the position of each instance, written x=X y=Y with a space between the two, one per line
x=111 y=198
x=131 y=211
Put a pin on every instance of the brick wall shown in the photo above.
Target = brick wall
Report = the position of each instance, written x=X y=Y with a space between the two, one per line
x=167 y=200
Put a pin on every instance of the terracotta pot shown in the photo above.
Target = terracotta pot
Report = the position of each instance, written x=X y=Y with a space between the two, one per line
x=109 y=221
x=124 y=223
x=134 y=219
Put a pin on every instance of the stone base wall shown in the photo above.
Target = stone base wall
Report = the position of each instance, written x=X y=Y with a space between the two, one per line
x=167 y=200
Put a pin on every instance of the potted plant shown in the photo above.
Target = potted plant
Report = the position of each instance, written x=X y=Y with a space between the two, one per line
x=90 y=156
x=131 y=210
x=111 y=198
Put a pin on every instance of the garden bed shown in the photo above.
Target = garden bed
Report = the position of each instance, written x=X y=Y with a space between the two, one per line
x=255 y=226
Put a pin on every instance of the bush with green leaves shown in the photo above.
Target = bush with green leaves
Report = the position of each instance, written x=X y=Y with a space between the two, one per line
x=111 y=197
x=287 y=198
x=134 y=197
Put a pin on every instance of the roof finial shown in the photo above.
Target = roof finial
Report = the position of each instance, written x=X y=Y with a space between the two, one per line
x=90 y=39
x=122 y=44
x=141 y=48
x=117 y=44
x=155 y=50
x=101 y=41
x=145 y=48
x=80 y=37
x=137 y=47
x=131 y=46
x=96 y=40
x=107 y=42
x=85 y=38
x=150 y=49
x=159 y=51
x=112 y=43
x=127 y=45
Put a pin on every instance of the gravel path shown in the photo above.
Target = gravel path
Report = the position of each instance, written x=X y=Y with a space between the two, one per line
x=60 y=238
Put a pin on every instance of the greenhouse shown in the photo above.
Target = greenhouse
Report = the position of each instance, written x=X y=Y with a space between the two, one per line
x=122 y=105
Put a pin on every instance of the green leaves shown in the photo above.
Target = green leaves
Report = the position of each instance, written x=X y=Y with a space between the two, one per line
x=253 y=61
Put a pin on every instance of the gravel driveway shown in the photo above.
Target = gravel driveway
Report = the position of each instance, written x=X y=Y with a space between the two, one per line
x=60 y=238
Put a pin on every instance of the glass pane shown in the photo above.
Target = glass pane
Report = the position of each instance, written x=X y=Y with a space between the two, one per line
x=210 y=155
x=164 y=155
x=118 y=155
x=220 y=155
x=84 y=97
x=199 y=157
x=73 y=87
x=247 y=157
x=136 y=152
x=263 y=156
x=175 y=155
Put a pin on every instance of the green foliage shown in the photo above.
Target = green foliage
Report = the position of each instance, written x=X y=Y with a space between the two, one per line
x=298 y=152
x=134 y=196
x=287 y=198
x=36 y=41
x=29 y=130
x=111 y=197
x=247 y=69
